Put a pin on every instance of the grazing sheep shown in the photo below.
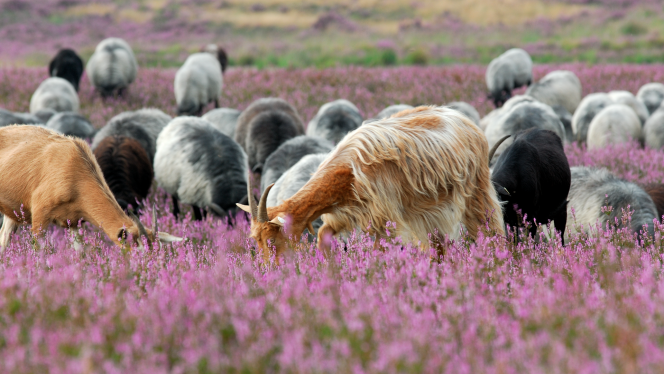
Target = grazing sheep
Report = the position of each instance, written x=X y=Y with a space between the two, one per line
x=127 y=169
x=533 y=175
x=656 y=193
x=392 y=109
x=224 y=119
x=467 y=109
x=67 y=65
x=54 y=93
x=15 y=118
x=143 y=125
x=558 y=88
x=288 y=154
x=627 y=98
x=512 y=69
x=652 y=95
x=424 y=169
x=593 y=189
x=70 y=123
x=219 y=53
x=615 y=124
x=197 y=83
x=334 y=120
x=519 y=117
x=199 y=165
x=51 y=178
x=293 y=180
x=587 y=110
x=263 y=126
x=112 y=67
x=654 y=129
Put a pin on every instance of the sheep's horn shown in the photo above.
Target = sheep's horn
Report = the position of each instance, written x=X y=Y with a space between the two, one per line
x=141 y=228
x=495 y=147
x=154 y=218
x=262 y=206
x=251 y=198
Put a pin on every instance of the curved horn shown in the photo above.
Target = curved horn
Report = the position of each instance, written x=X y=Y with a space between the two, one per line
x=262 y=206
x=141 y=228
x=495 y=146
x=251 y=198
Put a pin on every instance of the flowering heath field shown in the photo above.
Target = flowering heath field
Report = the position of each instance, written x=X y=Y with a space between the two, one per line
x=212 y=304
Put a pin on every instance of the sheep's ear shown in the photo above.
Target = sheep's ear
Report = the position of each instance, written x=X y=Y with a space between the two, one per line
x=165 y=237
x=278 y=221
x=246 y=208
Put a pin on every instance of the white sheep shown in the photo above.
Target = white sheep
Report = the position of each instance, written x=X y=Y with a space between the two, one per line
x=615 y=124
x=627 y=98
x=55 y=93
x=224 y=119
x=512 y=69
x=654 y=129
x=112 y=67
x=334 y=120
x=652 y=95
x=558 y=88
x=587 y=110
x=467 y=109
x=197 y=83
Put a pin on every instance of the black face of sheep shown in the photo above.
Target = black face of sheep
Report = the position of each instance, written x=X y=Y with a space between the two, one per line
x=127 y=169
x=67 y=65
x=533 y=177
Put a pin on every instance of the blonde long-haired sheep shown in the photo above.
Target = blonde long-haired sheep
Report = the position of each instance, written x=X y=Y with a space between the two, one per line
x=424 y=169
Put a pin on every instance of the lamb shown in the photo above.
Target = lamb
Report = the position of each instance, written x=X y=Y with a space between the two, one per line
x=654 y=129
x=587 y=110
x=224 y=119
x=143 y=125
x=334 y=120
x=424 y=169
x=199 y=165
x=467 y=109
x=652 y=95
x=592 y=189
x=512 y=69
x=40 y=189
x=288 y=154
x=559 y=88
x=263 y=126
x=627 y=98
x=73 y=124
x=112 y=67
x=219 y=53
x=615 y=124
x=522 y=116
x=126 y=168
x=55 y=93
x=67 y=65
x=197 y=83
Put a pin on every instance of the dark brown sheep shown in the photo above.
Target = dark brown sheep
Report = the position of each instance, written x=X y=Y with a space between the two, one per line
x=656 y=192
x=126 y=167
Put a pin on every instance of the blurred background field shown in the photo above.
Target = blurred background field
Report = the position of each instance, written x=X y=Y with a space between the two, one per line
x=316 y=33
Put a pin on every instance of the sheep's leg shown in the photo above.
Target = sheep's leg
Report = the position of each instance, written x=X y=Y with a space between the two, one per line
x=560 y=221
x=176 y=207
x=216 y=103
x=197 y=213
x=9 y=226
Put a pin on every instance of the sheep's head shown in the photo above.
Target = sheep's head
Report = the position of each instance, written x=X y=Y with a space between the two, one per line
x=267 y=233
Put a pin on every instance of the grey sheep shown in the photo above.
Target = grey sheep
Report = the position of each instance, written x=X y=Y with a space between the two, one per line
x=565 y=118
x=654 y=129
x=44 y=114
x=652 y=95
x=16 y=118
x=199 y=165
x=197 y=83
x=522 y=116
x=587 y=110
x=627 y=98
x=334 y=120
x=224 y=119
x=264 y=126
x=615 y=124
x=467 y=109
x=392 y=109
x=73 y=124
x=55 y=93
x=143 y=125
x=288 y=154
x=512 y=69
x=594 y=188
x=112 y=67
x=293 y=180
x=558 y=88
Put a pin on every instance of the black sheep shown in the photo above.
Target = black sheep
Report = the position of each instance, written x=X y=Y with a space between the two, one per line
x=67 y=65
x=533 y=174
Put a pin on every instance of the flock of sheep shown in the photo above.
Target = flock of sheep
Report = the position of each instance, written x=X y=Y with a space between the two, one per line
x=425 y=168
